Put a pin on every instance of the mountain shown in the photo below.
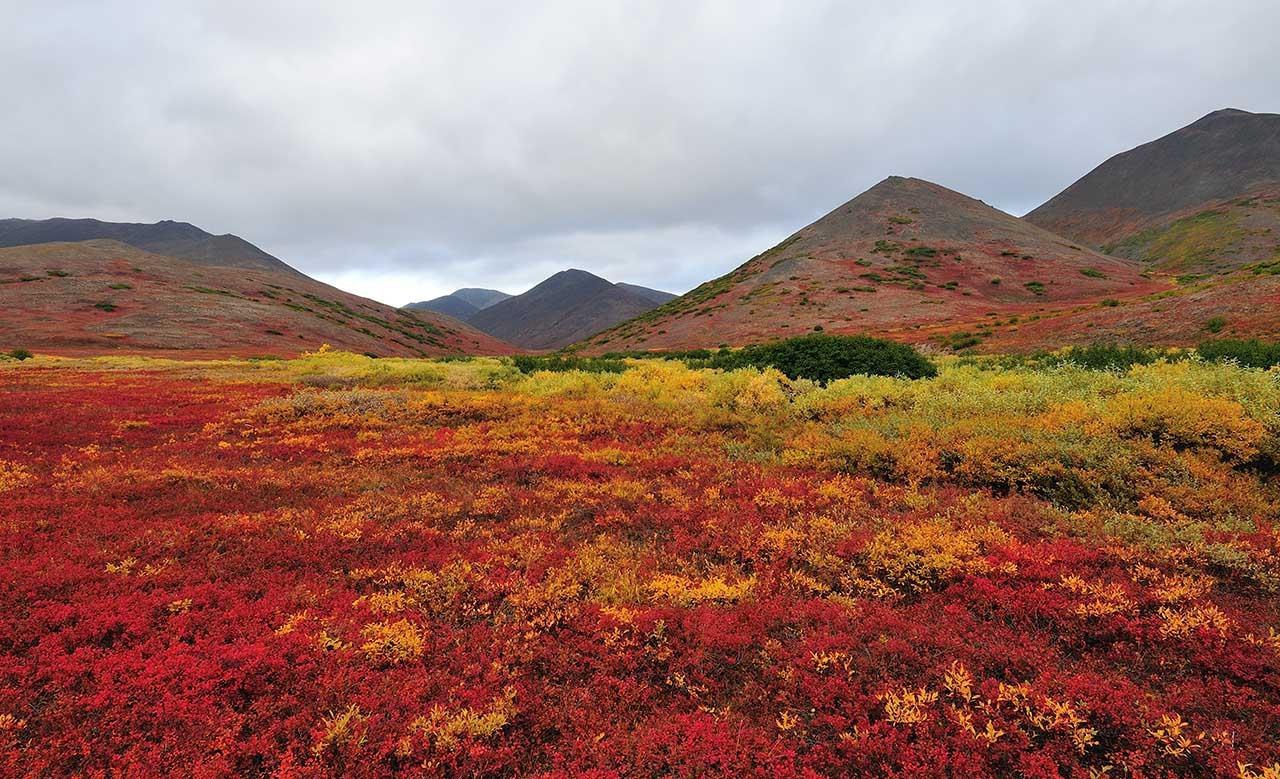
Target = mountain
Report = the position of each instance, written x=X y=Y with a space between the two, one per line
x=462 y=303
x=655 y=296
x=901 y=257
x=567 y=307
x=103 y=295
x=449 y=305
x=173 y=239
x=480 y=298
x=1202 y=199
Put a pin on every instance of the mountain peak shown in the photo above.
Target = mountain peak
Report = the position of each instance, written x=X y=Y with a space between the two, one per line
x=905 y=254
x=574 y=273
x=565 y=307
x=1227 y=112
x=1223 y=155
x=167 y=237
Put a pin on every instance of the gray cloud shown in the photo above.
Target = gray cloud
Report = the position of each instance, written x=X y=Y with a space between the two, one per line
x=401 y=149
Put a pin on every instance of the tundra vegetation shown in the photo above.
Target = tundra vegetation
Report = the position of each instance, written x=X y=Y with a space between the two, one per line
x=342 y=565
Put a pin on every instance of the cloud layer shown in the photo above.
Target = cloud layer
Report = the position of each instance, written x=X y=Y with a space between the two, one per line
x=402 y=149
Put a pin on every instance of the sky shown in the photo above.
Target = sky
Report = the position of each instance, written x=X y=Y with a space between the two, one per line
x=401 y=150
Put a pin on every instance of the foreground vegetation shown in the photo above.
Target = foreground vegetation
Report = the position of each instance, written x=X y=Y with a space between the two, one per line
x=340 y=565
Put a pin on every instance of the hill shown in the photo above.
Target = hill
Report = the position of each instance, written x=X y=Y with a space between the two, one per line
x=103 y=295
x=656 y=296
x=1202 y=199
x=565 y=308
x=480 y=298
x=461 y=304
x=173 y=239
x=448 y=305
x=904 y=255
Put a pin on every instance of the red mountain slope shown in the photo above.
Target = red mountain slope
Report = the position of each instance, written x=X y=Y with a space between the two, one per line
x=102 y=295
x=904 y=255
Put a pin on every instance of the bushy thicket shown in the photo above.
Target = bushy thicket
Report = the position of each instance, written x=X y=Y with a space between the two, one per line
x=1110 y=356
x=556 y=363
x=823 y=358
x=1249 y=354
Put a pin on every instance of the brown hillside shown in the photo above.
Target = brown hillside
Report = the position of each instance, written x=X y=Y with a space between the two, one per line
x=103 y=296
x=904 y=255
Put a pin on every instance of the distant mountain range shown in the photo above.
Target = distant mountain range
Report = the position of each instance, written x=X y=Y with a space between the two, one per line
x=567 y=307
x=173 y=239
x=462 y=303
x=1168 y=243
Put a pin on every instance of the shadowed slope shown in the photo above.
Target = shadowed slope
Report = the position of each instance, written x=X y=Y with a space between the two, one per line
x=1203 y=198
x=567 y=307
x=174 y=239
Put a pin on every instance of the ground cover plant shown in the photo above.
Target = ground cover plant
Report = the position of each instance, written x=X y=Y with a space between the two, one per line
x=340 y=565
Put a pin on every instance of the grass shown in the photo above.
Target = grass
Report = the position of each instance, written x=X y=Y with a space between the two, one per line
x=1186 y=244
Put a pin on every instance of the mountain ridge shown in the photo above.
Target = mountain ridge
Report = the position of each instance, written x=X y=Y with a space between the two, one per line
x=565 y=307
x=182 y=240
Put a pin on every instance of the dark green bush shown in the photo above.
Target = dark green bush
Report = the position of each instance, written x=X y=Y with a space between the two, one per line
x=1251 y=353
x=529 y=363
x=21 y=354
x=825 y=358
x=1102 y=357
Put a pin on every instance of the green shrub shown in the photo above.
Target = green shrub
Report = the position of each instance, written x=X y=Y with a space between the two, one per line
x=21 y=354
x=1250 y=354
x=529 y=363
x=1093 y=273
x=1109 y=303
x=1215 y=324
x=1103 y=357
x=823 y=358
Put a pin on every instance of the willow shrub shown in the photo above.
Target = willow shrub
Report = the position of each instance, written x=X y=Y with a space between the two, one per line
x=824 y=358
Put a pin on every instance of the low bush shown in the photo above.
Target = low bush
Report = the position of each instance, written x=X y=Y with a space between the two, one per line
x=824 y=358
x=529 y=363
x=1101 y=357
x=1249 y=354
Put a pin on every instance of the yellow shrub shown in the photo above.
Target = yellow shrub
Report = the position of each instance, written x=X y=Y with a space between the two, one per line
x=688 y=592
x=446 y=728
x=1183 y=418
x=393 y=642
x=763 y=393
x=908 y=707
x=13 y=475
x=918 y=556
x=340 y=728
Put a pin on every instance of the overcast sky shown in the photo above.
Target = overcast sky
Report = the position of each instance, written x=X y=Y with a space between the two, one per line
x=403 y=149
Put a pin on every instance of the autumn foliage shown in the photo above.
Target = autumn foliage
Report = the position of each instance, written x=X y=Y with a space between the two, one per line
x=345 y=566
